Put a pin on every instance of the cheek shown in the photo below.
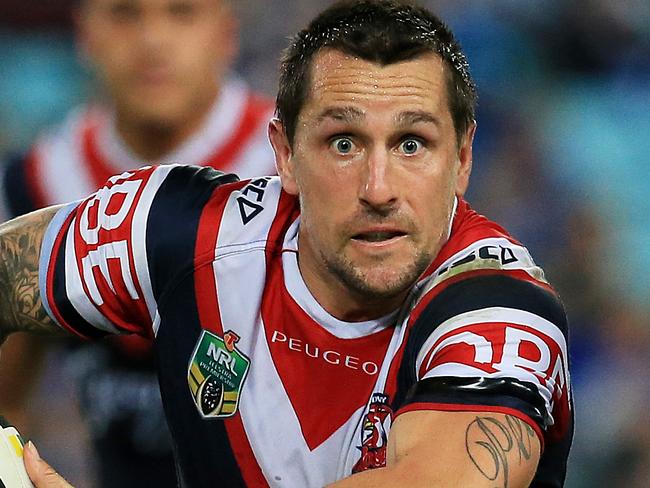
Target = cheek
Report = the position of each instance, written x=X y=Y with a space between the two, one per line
x=113 y=43
x=329 y=192
x=315 y=222
x=323 y=201
x=114 y=69
x=216 y=46
x=433 y=203
x=115 y=60
x=330 y=186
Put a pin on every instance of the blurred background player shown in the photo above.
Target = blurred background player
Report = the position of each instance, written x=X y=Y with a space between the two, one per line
x=167 y=96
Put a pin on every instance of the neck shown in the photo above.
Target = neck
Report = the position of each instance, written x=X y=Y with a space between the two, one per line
x=351 y=308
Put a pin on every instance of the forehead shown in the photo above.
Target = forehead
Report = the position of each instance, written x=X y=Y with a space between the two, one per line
x=338 y=78
x=144 y=3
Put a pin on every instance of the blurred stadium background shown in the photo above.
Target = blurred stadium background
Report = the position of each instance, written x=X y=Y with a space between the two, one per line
x=563 y=133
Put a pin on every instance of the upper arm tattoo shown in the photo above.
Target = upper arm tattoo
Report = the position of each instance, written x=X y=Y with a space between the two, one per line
x=21 y=308
x=504 y=440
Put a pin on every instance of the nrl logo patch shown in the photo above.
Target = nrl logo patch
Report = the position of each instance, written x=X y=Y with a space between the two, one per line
x=216 y=374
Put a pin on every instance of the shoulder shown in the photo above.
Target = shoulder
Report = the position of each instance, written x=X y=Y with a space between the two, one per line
x=213 y=209
x=161 y=195
x=478 y=246
x=483 y=267
x=186 y=179
x=508 y=294
x=487 y=310
x=151 y=197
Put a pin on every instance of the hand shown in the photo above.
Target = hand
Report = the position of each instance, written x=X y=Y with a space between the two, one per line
x=41 y=473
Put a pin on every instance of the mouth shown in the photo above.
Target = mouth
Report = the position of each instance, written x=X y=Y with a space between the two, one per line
x=154 y=75
x=378 y=236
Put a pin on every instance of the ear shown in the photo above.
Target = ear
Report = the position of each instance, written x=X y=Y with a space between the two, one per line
x=283 y=156
x=465 y=160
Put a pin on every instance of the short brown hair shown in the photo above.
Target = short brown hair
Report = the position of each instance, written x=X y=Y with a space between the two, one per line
x=381 y=31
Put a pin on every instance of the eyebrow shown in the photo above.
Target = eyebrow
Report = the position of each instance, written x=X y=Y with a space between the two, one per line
x=342 y=114
x=353 y=114
x=417 y=116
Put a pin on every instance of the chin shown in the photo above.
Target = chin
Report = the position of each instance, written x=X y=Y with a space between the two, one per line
x=169 y=104
x=380 y=283
x=380 y=278
x=389 y=286
x=161 y=119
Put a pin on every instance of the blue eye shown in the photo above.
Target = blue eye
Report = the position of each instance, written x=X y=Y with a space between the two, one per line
x=343 y=145
x=410 y=146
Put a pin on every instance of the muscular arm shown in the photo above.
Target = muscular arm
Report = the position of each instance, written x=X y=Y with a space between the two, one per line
x=21 y=308
x=441 y=449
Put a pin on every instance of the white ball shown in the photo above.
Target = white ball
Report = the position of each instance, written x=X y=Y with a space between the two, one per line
x=12 y=468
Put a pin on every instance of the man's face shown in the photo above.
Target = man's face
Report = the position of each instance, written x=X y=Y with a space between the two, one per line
x=376 y=164
x=160 y=60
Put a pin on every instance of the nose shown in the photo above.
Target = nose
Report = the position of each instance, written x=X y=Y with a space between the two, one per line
x=155 y=32
x=379 y=189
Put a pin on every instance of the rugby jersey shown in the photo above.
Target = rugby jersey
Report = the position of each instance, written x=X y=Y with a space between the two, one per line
x=263 y=387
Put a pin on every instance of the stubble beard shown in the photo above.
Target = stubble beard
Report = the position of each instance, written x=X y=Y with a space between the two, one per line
x=385 y=284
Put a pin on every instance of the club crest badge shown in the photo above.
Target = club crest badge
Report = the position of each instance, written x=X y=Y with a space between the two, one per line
x=216 y=374
x=374 y=434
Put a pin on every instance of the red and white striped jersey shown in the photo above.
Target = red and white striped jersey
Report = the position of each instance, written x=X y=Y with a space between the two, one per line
x=261 y=385
x=75 y=158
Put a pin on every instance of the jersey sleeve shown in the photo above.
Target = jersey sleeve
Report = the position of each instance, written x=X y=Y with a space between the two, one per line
x=491 y=342
x=107 y=260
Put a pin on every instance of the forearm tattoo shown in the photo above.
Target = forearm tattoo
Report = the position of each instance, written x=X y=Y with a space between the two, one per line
x=21 y=308
x=499 y=438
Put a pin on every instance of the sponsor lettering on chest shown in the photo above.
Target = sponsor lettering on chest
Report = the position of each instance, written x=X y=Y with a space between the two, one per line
x=329 y=355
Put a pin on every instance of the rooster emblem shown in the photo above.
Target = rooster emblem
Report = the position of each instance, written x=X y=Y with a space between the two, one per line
x=374 y=434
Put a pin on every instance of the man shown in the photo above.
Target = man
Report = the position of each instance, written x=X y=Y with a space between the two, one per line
x=169 y=97
x=352 y=322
